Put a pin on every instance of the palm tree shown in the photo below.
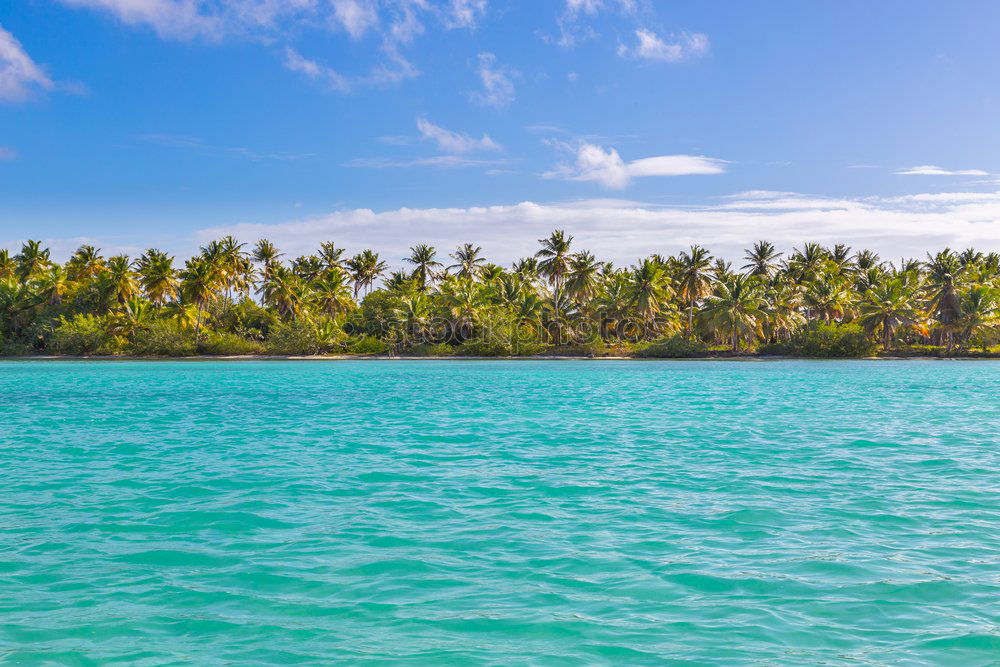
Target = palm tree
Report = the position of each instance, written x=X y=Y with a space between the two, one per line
x=979 y=311
x=693 y=281
x=463 y=299
x=736 y=309
x=829 y=298
x=331 y=292
x=157 y=276
x=944 y=273
x=307 y=267
x=32 y=260
x=331 y=255
x=584 y=270
x=762 y=259
x=554 y=264
x=121 y=280
x=527 y=268
x=8 y=267
x=85 y=263
x=807 y=264
x=54 y=284
x=365 y=268
x=422 y=257
x=887 y=306
x=284 y=292
x=267 y=255
x=866 y=259
x=649 y=289
x=413 y=313
x=468 y=260
x=199 y=279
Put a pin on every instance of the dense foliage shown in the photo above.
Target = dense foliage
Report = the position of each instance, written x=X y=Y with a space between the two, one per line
x=233 y=299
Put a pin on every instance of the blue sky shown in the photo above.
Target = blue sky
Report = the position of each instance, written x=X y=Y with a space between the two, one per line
x=639 y=125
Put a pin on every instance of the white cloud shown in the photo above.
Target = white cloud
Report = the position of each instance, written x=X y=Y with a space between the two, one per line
x=311 y=69
x=20 y=76
x=464 y=13
x=455 y=142
x=7 y=154
x=438 y=161
x=355 y=16
x=178 y=19
x=624 y=231
x=592 y=7
x=497 y=81
x=932 y=170
x=651 y=46
x=606 y=167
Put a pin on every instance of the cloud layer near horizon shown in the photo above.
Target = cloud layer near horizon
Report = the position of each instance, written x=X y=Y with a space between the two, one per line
x=624 y=231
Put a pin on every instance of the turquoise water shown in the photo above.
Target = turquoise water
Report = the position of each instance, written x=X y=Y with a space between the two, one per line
x=520 y=512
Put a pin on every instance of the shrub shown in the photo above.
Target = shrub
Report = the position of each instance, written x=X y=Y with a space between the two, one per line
x=672 y=347
x=164 y=339
x=431 y=350
x=304 y=337
x=482 y=347
x=224 y=343
x=366 y=345
x=10 y=348
x=826 y=341
x=82 y=335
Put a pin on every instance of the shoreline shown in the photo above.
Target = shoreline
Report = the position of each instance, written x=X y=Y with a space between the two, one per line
x=543 y=357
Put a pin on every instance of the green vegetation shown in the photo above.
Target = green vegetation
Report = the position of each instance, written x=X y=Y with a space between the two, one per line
x=233 y=299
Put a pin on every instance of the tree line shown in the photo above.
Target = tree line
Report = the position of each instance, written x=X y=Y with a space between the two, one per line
x=236 y=298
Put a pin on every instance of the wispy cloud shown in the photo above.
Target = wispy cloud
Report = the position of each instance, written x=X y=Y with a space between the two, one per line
x=20 y=76
x=311 y=69
x=455 y=142
x=605 y=166
x=7 y=154
x=497 y=83
x=193 y=143
x=438 y=161
x=652 y=47
x=174 y=19
x=932 y=170
x=464 y=13
x=355 y=16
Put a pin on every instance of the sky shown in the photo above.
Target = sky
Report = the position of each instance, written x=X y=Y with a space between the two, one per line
x=638 y=126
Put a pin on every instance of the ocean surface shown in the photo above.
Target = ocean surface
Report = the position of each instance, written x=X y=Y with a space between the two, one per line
x=494 y=512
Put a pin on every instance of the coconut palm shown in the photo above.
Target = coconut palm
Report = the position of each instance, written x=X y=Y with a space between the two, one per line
x=422 y=257
x=584 y=270
x=649 y=289
x=121 y=283
x=85 y=263
x=554 y=263
x=944 y=276
x=365 y=268
x=887 y=306
x=735 y=311
x=762 y=259
x=199 y=280
x=157 y=276
x=331 y=292
x=267 y=255
x=331 y=255
x=693 y=279
x=979 y=311
x=829 y=299
x=32 y=260
x=468 y=261
x=54 y=284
